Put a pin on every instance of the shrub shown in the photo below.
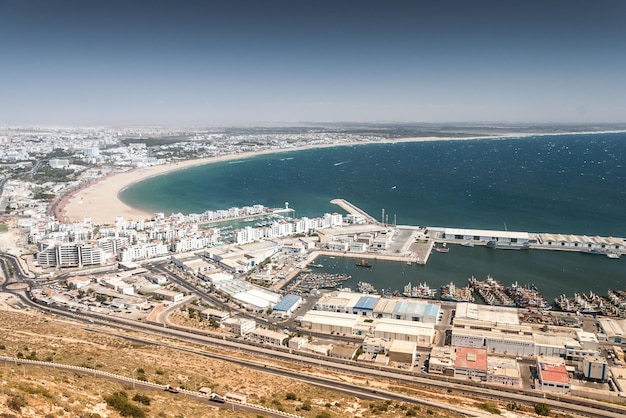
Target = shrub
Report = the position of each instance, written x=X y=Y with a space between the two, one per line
x=306 y=406
x=16 y=402
x=291 y=396
x=119 y=402
x=542 y=409
x=141 y=399
x=489 y=407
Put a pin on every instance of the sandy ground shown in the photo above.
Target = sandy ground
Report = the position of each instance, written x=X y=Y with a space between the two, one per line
x=100 y=201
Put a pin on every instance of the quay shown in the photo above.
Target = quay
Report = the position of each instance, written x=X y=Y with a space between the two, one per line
x=414 y=244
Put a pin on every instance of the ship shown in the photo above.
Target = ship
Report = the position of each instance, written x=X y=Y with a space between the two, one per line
x=527 y=297
x=508 y=245
x=365 y=287
x=594 y=252
x=590 y=304
x=452 y=293
x=442 y=249
x=364 y=263
x=491 y=291
x=422 y=291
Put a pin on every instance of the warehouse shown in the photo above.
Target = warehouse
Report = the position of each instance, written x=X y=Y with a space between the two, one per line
x=330 y=322
x=420 y=333
x=287 y=305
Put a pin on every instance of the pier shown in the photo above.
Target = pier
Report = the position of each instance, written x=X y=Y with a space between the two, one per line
x=413 y=244
x=352 y=209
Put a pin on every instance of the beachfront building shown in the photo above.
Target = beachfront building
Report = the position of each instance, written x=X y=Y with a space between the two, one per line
x=552 y=375
x=67 y=254
x=142 y=252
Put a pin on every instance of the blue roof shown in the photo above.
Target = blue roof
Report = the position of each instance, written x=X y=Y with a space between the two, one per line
x=287 y=302
x=432 y=310
x=410 y=307
x=366 y=303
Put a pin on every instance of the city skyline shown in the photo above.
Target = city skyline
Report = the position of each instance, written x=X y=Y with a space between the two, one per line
x=280 y=62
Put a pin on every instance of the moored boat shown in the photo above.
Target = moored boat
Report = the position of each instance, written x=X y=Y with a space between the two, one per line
x=498 y=245
x=364 y=263
x=422 y=290
x=452 y=293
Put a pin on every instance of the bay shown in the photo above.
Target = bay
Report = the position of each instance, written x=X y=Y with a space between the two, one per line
x=571 y=184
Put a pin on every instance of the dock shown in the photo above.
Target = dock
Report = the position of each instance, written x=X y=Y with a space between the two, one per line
x=411 y=244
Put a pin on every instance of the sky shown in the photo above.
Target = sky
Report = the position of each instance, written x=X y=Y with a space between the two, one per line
x=237 y=62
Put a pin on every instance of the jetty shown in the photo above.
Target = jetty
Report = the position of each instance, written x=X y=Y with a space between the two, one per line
x=354 y=210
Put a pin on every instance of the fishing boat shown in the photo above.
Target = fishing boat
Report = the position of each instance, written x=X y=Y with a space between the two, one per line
x=422 y=290
x=442 y=249
x=467 y=244
x=452 y=293
x=364 y=263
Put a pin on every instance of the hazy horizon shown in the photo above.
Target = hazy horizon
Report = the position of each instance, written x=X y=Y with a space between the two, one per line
x=246 y=63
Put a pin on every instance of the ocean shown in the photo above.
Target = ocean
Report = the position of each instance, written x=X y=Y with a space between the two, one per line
x=571 y=184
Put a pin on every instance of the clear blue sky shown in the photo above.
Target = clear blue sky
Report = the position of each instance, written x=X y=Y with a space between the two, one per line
x=247 y=62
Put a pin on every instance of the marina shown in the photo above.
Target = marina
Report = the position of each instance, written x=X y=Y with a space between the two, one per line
x=307 y=282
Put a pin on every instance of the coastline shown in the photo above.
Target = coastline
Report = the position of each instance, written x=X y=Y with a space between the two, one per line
x=100 y=200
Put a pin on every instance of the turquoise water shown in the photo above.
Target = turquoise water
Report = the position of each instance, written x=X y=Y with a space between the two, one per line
x=574 y=184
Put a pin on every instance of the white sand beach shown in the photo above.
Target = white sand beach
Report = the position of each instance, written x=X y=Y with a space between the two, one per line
x=100 y=200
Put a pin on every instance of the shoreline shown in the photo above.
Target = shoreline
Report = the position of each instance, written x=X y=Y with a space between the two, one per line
x=100 y=200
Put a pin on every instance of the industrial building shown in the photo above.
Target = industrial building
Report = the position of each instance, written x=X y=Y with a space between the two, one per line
x=287 y=305
x=613 y=329
x=470 y=363
x=395 y=329
x=552 y=375
x=402 y=352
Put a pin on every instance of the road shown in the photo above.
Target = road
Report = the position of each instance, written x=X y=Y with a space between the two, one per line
x=564 y=403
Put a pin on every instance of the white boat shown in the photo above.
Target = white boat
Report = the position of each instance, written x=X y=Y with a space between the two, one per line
x=467 y=244
x=613 y=255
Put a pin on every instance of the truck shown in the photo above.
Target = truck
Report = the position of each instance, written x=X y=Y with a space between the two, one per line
x=170 y=389
x=217 y=398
